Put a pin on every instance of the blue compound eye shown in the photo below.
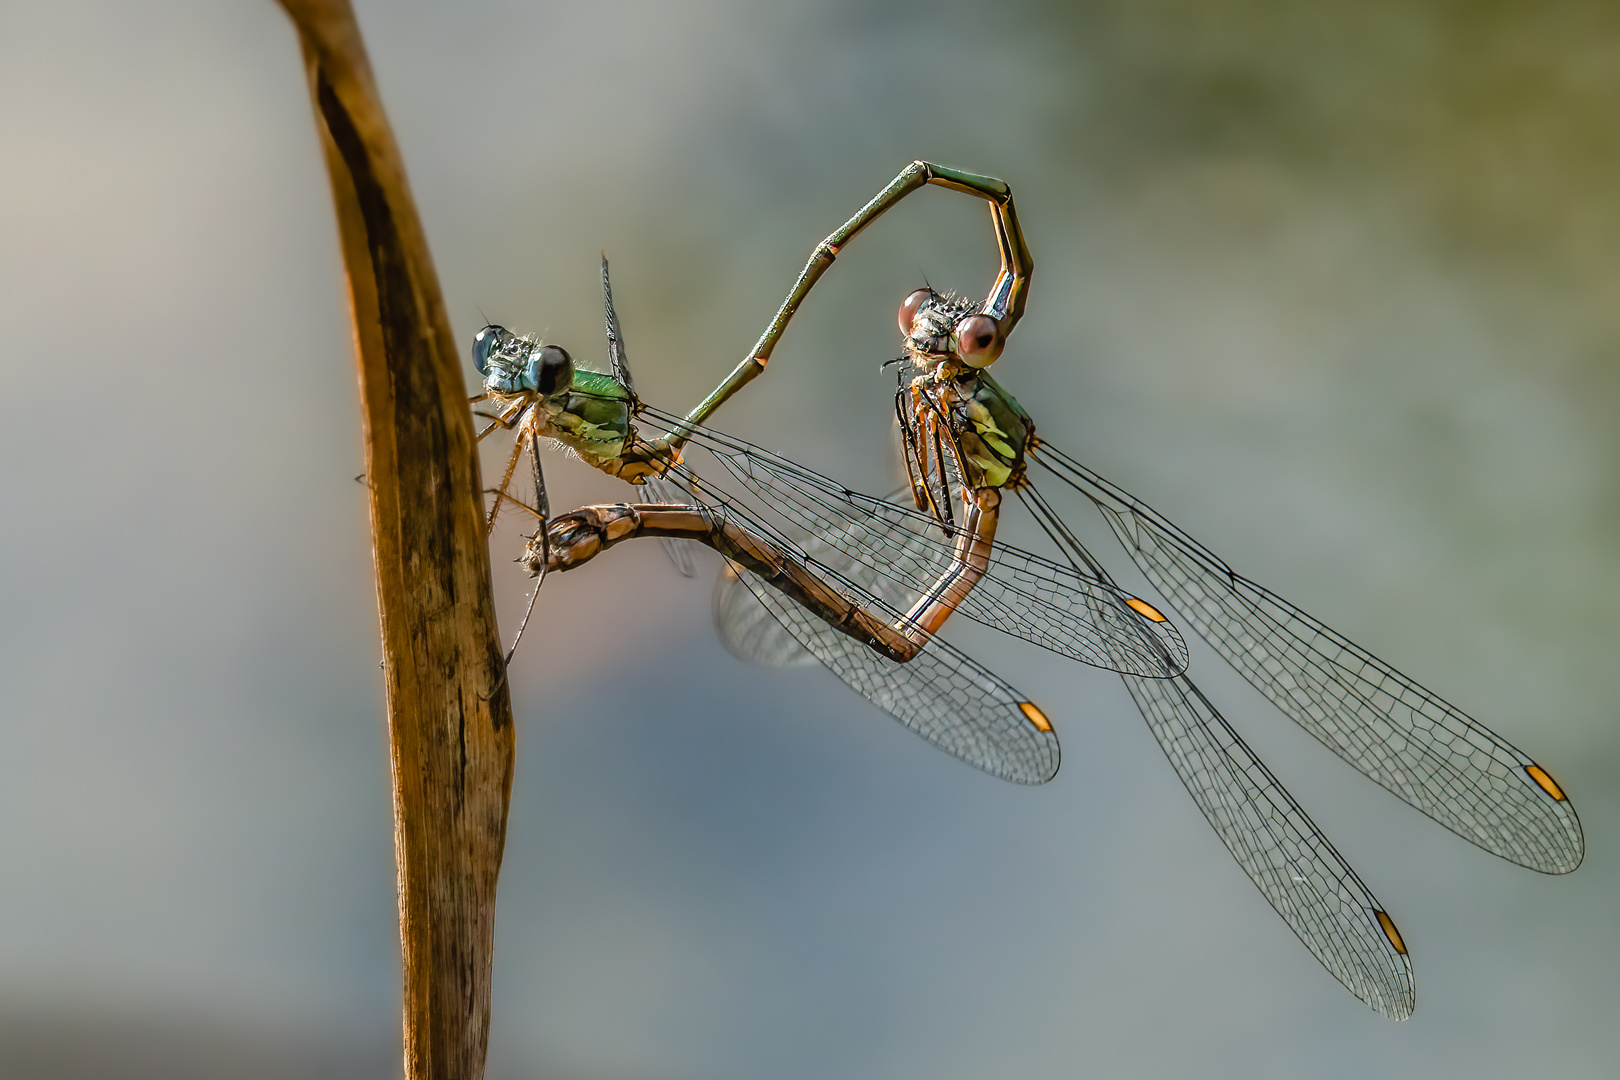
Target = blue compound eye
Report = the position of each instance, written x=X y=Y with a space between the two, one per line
x=488 y=340
x=550 y=369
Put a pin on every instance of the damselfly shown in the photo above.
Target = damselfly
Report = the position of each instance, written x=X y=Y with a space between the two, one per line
x=864 y=584
x=792 y=556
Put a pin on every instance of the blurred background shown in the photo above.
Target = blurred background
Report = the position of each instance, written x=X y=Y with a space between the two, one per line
x=1330 y=284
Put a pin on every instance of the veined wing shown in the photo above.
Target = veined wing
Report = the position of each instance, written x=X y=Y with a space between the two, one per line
x=1283 y=852
x=747 y=628
x=664 y=490
x=941 y=694
x=1401 y=735
x=1040 y=601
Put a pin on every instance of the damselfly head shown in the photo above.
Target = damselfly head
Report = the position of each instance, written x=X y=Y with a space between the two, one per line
x=488 y=342
x=976 y=341
x=939 y=327
x=550 y=369
x=513 y=365
x=911 y=306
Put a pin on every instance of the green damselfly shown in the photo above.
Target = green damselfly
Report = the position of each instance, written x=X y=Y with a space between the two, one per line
x=863 y=584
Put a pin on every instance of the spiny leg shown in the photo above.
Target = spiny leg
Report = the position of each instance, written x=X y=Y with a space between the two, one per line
x=1005 y=302
x=914 y=455
x=981 y=511
x=506 y=421
x=519 y=503
x=541 y=510
x=506 y=482
x=933 y=427
x=542 y=503
x=925 y=437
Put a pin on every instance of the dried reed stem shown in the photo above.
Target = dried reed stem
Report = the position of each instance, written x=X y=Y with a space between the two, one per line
x=452 y=750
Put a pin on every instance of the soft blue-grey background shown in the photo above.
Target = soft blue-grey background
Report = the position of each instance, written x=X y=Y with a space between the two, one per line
x=1332 y=284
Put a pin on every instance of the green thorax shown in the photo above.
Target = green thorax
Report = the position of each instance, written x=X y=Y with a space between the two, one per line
x=592 y=418
x=991 y=428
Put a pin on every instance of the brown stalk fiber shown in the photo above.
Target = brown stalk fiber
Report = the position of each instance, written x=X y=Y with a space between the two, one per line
x=452 y=750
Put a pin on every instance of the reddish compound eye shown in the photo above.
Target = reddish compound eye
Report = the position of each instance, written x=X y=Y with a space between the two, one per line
x=977 y=340
x=908 y=310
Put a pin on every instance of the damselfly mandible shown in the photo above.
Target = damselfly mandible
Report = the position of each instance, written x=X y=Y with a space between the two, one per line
x=864 y=584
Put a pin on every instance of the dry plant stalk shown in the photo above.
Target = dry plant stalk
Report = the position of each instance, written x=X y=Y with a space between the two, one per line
x=452 y=750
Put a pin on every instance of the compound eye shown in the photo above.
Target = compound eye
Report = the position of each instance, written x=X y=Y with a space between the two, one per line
x=909 y=309
x=550 y=369
x=488 y=340
x=977 y=340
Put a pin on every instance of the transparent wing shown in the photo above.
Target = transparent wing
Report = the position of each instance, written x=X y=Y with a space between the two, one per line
x=1283 y=852
x=1021 y=594
x=1398 y=733
x=941 y=694
x=747 y=628
x=664 y=490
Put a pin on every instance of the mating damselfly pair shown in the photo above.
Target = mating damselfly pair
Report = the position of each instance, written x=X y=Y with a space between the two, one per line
x=864 y=584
